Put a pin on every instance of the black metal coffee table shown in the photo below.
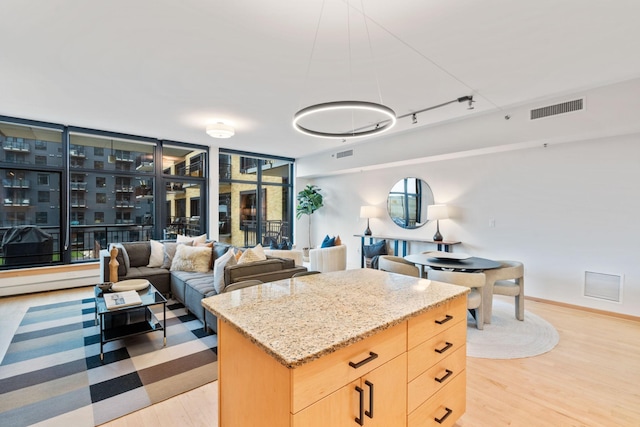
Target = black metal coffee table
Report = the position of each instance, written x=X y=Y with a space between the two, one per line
x=131 y=320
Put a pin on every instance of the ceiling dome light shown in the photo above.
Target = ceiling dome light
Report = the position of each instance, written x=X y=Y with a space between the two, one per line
x=220 y=130
x=379 y=127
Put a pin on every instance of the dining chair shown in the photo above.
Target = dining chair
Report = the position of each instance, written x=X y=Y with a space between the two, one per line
x=396 y=264
x=506 y=280
x=475 y=281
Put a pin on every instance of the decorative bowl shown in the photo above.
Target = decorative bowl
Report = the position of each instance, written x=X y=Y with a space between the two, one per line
x=105 y=286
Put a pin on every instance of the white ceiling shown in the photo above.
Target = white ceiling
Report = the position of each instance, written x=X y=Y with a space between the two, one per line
x=165 y=69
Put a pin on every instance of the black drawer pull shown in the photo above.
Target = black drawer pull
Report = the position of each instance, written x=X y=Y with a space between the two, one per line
x=372 y=356
x=360 y=420
x=444 y=417
x=447 y=375
x=445 y=320
x=369 y=413
x=445 y=348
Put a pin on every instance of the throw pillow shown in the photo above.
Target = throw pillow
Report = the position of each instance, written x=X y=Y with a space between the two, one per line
x=238 y=254
x=379 y=248
x=259 y=250
x=328 y=242
x=169 y=253
x=250 y=255
x=190 y=239
x=191 y=258
x=157 y=254
x=284 y=245
x=208 y=245
x=218 y=270
x=338 y=241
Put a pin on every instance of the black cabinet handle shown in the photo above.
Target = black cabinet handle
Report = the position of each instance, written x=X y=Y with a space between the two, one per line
x=445 y=348
x=360 y=420
x=369 y=413
x=445 y=320
x=447 y=375
x=372 y=356
x=444 y=417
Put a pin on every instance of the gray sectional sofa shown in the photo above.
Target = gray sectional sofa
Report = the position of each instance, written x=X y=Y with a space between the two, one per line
x=189 y=287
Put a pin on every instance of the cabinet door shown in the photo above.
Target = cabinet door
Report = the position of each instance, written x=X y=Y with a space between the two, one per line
x=376 y=399
x=386 y=389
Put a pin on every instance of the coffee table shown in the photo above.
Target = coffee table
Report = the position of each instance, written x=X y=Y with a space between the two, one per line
x=131 y=320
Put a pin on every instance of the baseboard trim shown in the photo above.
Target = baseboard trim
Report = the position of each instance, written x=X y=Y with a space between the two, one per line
x=588 y=309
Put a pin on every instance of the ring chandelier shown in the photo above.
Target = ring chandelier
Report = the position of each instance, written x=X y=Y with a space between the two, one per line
x=382 y=126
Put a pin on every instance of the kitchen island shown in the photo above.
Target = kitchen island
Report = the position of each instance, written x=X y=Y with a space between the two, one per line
x=355 y=347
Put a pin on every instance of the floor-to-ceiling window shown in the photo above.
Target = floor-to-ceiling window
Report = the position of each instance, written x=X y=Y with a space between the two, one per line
x=77 y=190
x=255 y=199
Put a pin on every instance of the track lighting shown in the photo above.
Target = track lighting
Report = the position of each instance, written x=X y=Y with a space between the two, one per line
x=414 y=119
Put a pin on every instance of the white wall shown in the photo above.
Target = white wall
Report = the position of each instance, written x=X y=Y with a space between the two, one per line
x=563 y=209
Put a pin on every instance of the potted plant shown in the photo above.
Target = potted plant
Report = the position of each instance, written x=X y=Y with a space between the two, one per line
x=309 y=201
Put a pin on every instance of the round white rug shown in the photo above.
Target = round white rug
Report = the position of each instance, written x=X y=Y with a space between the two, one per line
x=509 y=338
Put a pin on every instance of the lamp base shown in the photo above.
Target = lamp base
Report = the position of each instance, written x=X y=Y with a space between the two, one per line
x=437 y=237
x=367 y=232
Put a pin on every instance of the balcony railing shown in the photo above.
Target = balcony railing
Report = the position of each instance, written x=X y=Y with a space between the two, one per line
x=16 y=146
x=16 y=183
x=85 y=242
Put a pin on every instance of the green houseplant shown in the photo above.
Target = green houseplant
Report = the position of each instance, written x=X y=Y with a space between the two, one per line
x=309 y=201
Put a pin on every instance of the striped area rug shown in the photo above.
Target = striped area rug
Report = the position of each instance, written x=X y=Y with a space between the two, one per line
x=52 y=373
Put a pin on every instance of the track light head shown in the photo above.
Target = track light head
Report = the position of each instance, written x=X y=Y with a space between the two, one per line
x=414 y=119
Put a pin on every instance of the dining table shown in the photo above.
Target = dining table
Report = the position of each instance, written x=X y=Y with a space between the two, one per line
x=451 y=261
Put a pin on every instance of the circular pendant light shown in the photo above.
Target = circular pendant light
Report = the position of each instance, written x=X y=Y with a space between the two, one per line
x=388 y=121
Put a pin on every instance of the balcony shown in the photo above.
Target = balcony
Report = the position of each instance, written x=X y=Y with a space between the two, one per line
x=17 y=202
x=124 y=189
x=78 y=203
x=16 y=183
x=78 y=186
x=16 y=146
x=75 y=152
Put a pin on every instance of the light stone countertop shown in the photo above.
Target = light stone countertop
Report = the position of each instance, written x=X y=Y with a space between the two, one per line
x=301 y=319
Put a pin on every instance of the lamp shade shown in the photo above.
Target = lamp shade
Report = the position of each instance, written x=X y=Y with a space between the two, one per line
x=220 y=130
x=435 y=212
x=368 y=212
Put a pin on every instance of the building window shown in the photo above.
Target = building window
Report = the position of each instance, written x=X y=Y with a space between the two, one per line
x=98 y=151
x=41 y=145
x=101 y=198
x=43 y=197
x=42 y=218
x=101 y=182
x=41 y=160
x=98 y=165
x=43 y=179
x=98 y=217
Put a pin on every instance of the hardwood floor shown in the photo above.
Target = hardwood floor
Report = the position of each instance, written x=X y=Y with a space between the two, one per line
x=591 y=379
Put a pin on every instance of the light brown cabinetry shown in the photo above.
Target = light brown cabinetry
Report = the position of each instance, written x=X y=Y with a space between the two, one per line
x=436 y=369
x=397 y=377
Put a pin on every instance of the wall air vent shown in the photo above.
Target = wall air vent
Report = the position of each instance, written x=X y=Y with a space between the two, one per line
x=554 y=110
x=345 y=153
x=603 y=286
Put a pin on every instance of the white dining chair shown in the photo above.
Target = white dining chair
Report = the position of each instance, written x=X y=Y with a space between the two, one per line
x=506 y=280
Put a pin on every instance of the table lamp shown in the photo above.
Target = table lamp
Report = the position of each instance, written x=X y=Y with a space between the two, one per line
x=437 y=212
x=368 y=212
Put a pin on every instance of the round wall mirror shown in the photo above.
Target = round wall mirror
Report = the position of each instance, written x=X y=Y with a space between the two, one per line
x=407 y=202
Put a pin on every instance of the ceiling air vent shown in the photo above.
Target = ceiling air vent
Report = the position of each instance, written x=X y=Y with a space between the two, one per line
x=554 y=110
x=342 y=154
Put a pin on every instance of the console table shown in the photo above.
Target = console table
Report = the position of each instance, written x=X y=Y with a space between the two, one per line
x=443 y=245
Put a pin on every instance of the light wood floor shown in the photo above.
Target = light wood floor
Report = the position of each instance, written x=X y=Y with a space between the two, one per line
x=592 y=378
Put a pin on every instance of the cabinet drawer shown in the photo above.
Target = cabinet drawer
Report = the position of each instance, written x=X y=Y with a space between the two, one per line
x=435 y=378
x=425 y=326
x=447 y=405
x=321 y=377
x=432 y=351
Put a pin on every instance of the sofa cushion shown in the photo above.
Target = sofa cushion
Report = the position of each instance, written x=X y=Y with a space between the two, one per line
x=138 y=253
x=328 y=242
x=192 y=258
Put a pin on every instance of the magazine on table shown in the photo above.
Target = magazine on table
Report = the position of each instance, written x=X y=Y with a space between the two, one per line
x=122 y=299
